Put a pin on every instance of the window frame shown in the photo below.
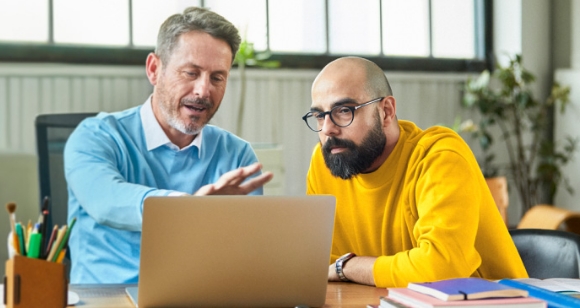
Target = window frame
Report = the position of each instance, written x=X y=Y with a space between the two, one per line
x=131 y=55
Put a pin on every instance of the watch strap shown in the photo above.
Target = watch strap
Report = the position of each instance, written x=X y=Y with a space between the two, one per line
x=340 y=263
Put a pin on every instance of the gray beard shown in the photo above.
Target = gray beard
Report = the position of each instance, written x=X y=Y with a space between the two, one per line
x=176 y=123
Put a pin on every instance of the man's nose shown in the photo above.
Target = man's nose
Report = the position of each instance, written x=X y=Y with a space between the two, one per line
x=328 y=127
x=202 y=87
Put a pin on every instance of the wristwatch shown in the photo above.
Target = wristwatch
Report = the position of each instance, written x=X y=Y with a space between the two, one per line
x=340 y=263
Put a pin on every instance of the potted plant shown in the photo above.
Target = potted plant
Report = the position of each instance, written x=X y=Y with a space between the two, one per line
x=247 y=56
x=270 y=155
x=504 y=100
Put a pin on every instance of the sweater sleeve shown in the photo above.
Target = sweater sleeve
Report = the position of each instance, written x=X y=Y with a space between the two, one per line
x=444 y=200
x=93 y=176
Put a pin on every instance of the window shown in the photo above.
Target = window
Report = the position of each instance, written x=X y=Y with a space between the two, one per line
x=397 y=34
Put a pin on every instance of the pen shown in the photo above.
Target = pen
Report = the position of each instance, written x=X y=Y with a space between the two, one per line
x=64 y=240
x=61 y=256
x=50 y=242
x=34 y=245
x=27 y=233
x=20 y=234
x=56 y=243
x=44 y=226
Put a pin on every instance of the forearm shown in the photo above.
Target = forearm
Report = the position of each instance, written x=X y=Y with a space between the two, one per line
x=98 y=186
x=112 y=203
x=358 y=269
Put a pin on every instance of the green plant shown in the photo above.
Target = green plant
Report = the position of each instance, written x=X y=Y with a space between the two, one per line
x=504 y=99
x=247 y=56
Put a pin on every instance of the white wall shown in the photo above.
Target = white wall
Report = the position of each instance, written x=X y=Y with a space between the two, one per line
x=568 y=124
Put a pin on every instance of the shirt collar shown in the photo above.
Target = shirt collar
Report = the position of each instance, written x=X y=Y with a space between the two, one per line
x=154 y=134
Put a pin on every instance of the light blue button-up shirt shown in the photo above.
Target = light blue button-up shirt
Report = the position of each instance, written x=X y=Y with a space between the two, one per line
x=112 y=163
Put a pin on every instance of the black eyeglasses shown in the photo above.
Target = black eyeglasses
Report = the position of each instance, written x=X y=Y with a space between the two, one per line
x=340 y=115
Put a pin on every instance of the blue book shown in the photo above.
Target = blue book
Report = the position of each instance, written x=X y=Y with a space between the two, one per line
x=555 y=300
x=466 y=288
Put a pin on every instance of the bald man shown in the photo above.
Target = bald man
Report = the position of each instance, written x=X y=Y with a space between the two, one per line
x=412 y=204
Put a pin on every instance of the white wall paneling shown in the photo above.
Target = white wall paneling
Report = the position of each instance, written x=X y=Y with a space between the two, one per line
x=567 y=125
x=275 y=103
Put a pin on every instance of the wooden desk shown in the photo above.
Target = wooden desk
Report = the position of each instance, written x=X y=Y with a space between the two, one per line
x=338 y=294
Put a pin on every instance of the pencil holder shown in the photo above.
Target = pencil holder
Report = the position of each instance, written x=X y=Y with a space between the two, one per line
x=34 y=283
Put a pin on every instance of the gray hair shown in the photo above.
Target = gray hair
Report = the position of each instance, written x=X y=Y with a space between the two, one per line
x=195 y=19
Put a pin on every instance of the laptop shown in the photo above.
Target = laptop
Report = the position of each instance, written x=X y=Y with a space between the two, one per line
x=235 y=251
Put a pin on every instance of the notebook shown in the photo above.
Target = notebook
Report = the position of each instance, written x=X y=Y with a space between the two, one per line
x=234 y=251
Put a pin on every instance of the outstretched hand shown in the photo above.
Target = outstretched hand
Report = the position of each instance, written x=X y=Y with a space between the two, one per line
x=232 y=183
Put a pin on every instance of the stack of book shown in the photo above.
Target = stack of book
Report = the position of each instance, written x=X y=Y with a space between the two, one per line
x=477 y=292
x=460 y=292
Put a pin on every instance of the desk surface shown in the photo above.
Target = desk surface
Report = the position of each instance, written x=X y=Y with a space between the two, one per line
x=338 y=294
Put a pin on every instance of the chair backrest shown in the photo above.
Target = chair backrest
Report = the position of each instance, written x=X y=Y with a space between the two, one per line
x=548 y=253
x=543 y=216
x=52 y=131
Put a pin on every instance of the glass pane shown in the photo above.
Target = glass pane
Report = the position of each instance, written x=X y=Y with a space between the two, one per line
x=453 y=28
x=98 y=22
x=24 y=20
x=307 y=33
x=406 y=28
x=354 y=27
x=148 y=15
x=249 y=16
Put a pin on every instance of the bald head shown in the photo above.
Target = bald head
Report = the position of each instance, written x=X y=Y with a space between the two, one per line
x=357 y=72
x=352 y=84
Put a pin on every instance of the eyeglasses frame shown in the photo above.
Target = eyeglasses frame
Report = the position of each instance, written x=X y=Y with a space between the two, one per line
x=329 y=113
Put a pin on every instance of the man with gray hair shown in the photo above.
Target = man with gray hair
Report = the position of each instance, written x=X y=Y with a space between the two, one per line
x=164 y=147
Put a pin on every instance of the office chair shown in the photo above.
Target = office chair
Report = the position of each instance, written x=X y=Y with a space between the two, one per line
x=52 y=131
x=543 y=216
x=548 y=253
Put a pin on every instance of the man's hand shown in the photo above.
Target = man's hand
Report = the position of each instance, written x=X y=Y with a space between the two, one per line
x=230 y=183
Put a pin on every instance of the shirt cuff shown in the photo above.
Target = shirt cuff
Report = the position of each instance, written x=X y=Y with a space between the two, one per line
x=177 y=194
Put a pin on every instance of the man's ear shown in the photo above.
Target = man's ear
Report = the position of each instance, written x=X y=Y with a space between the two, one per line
x=389 y=106
x=153 y=68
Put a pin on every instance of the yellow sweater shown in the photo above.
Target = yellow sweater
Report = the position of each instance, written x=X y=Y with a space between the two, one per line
x=426 y=213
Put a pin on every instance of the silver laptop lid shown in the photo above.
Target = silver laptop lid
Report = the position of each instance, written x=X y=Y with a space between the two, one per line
x=235 y=251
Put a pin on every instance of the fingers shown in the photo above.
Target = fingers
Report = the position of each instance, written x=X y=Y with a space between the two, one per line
x=230 y=183
x=205 y=190
x=236 y=177
x=256 y=182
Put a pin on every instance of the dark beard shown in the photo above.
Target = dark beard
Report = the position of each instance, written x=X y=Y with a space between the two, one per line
x=356 y=159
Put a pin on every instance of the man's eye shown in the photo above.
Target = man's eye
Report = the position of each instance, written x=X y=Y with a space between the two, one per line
x=192 y=74
x=343 y=110
x=318 y=115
